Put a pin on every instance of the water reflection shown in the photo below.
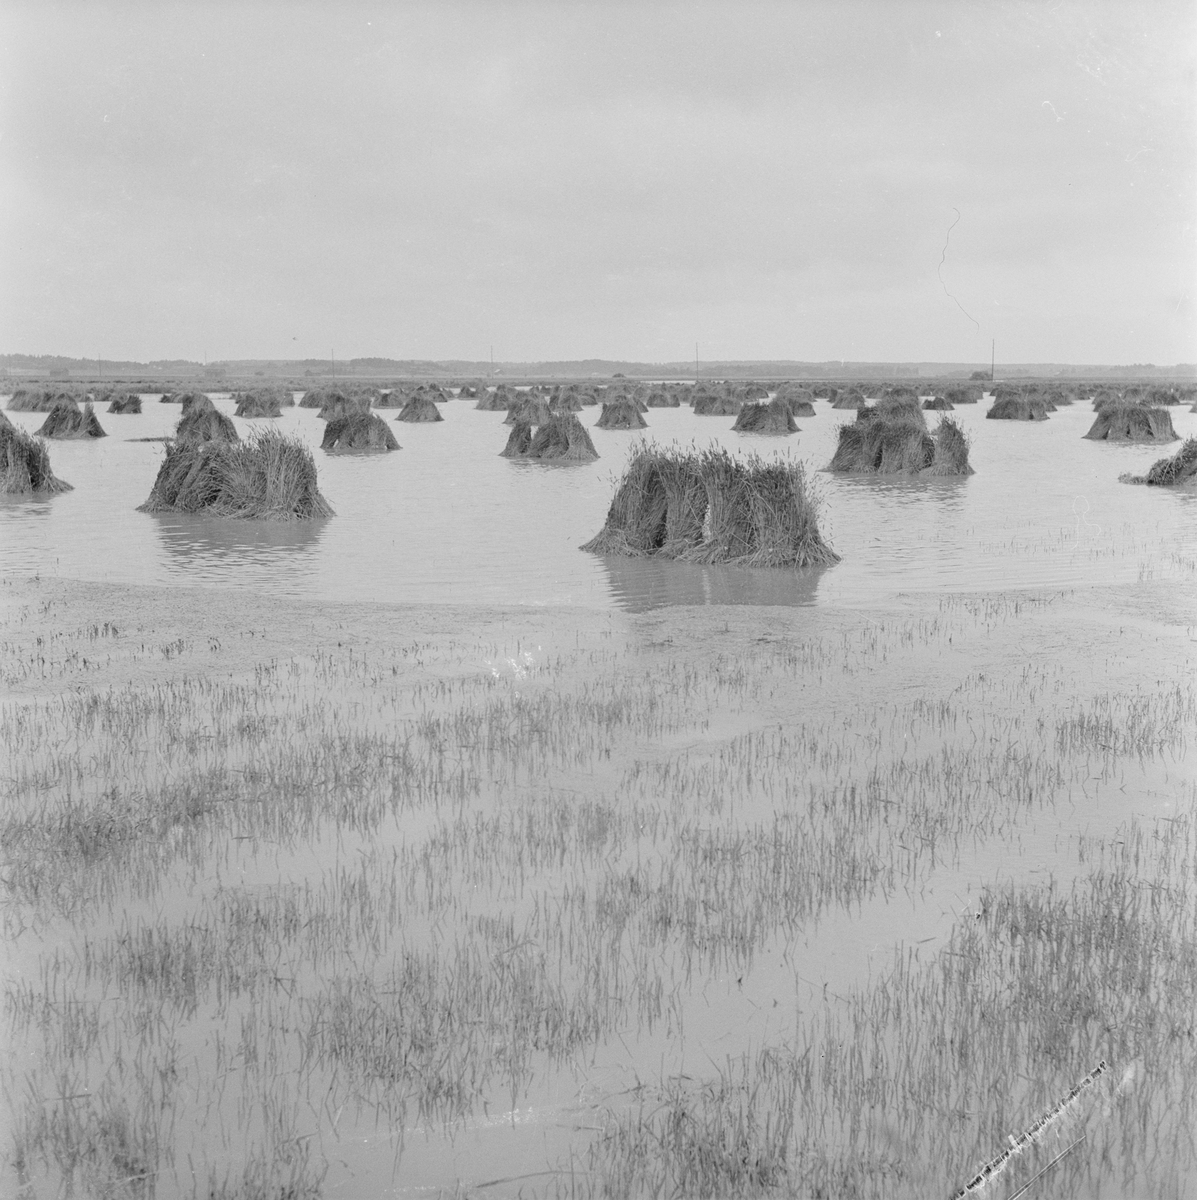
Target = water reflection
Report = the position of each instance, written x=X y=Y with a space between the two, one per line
x=947 y=491
x=24 y=505
x=641 y=584
x=280 y=555
x=448 y=520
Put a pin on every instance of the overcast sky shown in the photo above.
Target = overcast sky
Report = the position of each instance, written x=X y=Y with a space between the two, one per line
x=577 y=180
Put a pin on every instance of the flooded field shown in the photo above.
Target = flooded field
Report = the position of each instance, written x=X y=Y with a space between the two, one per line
x=1044 y=509
x=417 y=853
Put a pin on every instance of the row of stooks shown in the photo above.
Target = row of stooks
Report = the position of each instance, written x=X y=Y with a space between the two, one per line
x=705 y=507
x=1027 y=401
x=697 y=506
x=703 y=395
x=352 y=425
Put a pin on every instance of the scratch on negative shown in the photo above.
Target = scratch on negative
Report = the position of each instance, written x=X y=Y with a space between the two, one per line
x=939 y=271
x=994 y=1167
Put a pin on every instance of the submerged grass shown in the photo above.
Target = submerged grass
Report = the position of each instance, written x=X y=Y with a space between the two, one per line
x=1051 y=1016
x=420 y=879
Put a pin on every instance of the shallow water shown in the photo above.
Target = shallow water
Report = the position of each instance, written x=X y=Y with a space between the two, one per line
x=446 y=520
x=955 y=712
x=935 y=697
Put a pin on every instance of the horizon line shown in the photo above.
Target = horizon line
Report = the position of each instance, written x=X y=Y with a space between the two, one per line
x=66 y=360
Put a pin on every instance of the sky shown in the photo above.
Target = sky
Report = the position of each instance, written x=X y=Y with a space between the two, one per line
x=858 y=179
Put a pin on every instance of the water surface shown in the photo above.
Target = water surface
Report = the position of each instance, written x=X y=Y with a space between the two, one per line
x=446 y=520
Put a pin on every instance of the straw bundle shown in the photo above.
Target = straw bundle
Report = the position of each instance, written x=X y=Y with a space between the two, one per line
x=849 y=399
x=1017 y=408
x=727 y=527
x=40 y=400
x=635 y=524
x=268 y=477
x=899 y=446
x=685 y=503
x=660 y=398
x=621 y=414
x=951 y=450
x=562 y=438
x=420 y=408
x=708 y=404
x=528 y=407
x=496 y=401
x=772 y=418
x=358 y=429
x=519 y=441
x=710 y=508
x=339 y=404
x=25 y=463
x=785 y=530
x=202 y=421
x=67 y=421
x=1130 y=422
x=1178 y=471
x=963 y=395
x=262 y=402
x=894 y=408
x=1164 y=396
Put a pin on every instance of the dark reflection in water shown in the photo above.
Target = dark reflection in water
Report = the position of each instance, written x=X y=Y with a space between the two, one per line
x=220 y=549
x=640 y=584
x=946 y=491
x=24 y=505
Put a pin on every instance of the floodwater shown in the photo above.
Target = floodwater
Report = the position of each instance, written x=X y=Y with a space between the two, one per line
x=446 y=520
x=960 y=712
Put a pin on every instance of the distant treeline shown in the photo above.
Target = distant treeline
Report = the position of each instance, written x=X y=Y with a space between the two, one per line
x=48 y=365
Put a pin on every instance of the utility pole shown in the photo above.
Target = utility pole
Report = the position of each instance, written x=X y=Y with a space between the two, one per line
x=992 y=344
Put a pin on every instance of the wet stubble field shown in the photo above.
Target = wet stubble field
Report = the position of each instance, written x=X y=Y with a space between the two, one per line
x=894 y=898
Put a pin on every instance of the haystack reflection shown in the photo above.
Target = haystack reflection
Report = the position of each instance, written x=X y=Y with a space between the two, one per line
x=641 y=584
x=276 y=556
